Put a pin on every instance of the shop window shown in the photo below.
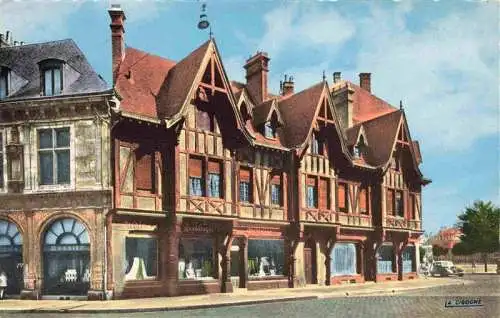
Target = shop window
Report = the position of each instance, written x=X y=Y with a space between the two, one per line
x=343 y=259
x=390 y=202
x=324 y=190
x=11 y=256
x=245 y=185
x=408 y=257
x=141 y=255
x=385 y=259
x=399 y=204
x=276 y=190
x=1 y=161
x=196 y=184
x=265 y=258
x=312 y=192
x=363 y=200
x=66 y=258
x=196 y=259
x=54 y=156
x=342 y=197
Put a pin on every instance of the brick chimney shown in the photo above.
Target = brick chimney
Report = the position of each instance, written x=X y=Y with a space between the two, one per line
x=365 y=81
x=257 y=69
x=336 y=77
x=117 y=37
x=288 y=86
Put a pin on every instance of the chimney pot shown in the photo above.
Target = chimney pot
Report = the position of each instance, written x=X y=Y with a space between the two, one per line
x=336 y=77
x=7 y=35
x=288 y=86
x=365 y=81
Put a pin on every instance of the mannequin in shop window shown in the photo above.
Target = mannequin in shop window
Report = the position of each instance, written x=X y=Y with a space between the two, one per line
x=190 y=272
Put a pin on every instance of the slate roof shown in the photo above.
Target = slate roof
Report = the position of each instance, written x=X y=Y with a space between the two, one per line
x=139 y=80
x=22 y=60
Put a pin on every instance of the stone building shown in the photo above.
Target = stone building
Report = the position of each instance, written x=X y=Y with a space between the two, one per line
x=222 y=185
x=55 y=177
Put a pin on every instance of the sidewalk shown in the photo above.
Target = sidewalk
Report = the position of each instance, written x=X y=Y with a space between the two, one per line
x=239 y=297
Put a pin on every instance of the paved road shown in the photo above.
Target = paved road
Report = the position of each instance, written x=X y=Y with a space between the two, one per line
x=428 y=302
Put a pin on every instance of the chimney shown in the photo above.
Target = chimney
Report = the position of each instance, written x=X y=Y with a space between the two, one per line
x=365 y=81
x=117 y=37
x=257 y=68
x=288 y=86
x=336 y=77
x=7 y=37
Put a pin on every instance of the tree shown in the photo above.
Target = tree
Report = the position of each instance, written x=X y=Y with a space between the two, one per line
x=480 y=229
x=461 y=249
x=438 y=250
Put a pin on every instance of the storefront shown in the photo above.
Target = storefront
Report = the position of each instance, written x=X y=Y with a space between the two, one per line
x=343 y=260
x=11 y=257
x=66 y=258
x=386 y=263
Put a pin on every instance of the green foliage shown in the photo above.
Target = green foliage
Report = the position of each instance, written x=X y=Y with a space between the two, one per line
x=438 y=250
x=461 y=249
x=422 y=253
x=207 y=269
x=480 y=227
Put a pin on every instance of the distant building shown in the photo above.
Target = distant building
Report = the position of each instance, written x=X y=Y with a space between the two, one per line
x=447 y=238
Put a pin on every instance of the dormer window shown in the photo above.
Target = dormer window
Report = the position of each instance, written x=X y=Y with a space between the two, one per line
x=52 y=79
x=4 y=82
x=269 y=130
x=358 y=148
x=317 y=144
x=357 y=151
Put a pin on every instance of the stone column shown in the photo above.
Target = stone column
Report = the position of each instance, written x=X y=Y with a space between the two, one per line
x=31 y=286
x=225 y=263
x=96 y=291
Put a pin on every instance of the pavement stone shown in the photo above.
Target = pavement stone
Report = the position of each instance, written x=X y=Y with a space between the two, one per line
x=241 y=298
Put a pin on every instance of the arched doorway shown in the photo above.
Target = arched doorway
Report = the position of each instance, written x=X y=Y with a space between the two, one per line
x=11 y=256
x=310 y=267
x=66 y=254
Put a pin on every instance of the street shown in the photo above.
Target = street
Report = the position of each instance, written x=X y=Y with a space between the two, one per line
x=429 y=302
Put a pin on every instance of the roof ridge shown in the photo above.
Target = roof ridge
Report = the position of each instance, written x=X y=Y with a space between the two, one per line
x=150 y=54
x=38 y=43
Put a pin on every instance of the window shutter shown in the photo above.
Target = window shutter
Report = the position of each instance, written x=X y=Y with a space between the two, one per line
x=342 y=195
x=362 y=200
x=323 y=194
x=412 y=206
x=195 y=168
x=144 y=172
x=214 y=167
x=390 y=202
x=245 y=175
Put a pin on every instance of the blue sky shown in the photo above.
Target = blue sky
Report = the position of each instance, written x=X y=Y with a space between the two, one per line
x=439 y=57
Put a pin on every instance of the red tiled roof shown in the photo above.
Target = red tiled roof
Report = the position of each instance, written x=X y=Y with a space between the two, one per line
x=298 y=112
x=416 y=150
x=139 y=80
x=367 y=106
x=175 y=89
x=381 y=133
x=352 y=134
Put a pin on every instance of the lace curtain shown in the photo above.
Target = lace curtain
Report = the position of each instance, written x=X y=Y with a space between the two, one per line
x=343 y=259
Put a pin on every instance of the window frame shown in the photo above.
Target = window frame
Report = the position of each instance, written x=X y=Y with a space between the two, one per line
x=345 y=208
x=399 y=209
x=51 y=65
x=205 y=177
x=365 y=189
x=36 y=163
x=269 y=130
x=206 y=126
x=53 y=150
x=314 y=192
x=5 y=73
x=249 y=183
x=278 y=186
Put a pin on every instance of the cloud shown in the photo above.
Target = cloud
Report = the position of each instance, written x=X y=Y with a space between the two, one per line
x=446 y=73
x=303 y=25
x=35 y=21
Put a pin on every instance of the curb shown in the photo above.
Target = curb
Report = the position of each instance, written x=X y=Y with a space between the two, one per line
x=154 y=309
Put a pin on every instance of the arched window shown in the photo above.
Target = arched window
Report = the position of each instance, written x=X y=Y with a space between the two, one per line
x=66 y=258
x=11 y=257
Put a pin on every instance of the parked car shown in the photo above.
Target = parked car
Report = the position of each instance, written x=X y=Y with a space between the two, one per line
x=445 y=268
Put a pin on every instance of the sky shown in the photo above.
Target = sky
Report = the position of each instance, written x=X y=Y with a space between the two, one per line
x=439 y=57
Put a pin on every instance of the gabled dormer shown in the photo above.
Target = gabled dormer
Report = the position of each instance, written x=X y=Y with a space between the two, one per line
x=4 y=82
x=51 y=77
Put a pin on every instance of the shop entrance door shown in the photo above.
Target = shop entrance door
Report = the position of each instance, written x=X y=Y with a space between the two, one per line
x=310 y=262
